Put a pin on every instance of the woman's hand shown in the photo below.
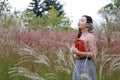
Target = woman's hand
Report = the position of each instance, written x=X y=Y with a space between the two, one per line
x=76 y=56
x=74 y=50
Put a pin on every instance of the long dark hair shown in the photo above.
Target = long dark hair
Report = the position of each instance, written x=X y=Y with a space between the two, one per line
x=90 y=25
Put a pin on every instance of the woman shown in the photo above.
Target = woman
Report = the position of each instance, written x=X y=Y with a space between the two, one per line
x=85 y=51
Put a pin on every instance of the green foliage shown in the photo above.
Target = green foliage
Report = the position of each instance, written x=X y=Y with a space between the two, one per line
x=4 y=7
x=50 y=20
x=53 y=21
x=6 y=63
x=54 y=3
x=12 y=20
x=4 y=13
x=111 y=9
x=36 y=7
x=9 y=19
x=111 y=14
x=116 y=3
x=40 y=7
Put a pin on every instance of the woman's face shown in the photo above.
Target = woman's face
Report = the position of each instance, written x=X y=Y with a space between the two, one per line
x=82 y=24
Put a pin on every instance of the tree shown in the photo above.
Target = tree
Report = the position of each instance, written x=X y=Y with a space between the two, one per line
x=111 y=13
x=4 y=13
x=36 y=7
x=40 y=7
x=49 y=20
x=4 y=7
x=53 y=3
x=111 y=9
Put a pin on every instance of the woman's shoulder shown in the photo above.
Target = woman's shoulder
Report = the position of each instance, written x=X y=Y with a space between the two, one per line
x=90 y=36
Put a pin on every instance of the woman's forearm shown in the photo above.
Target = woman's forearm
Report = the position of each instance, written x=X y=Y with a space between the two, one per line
x=85 y=54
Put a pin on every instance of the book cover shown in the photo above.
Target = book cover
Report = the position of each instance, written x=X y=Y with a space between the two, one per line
x=80 y=45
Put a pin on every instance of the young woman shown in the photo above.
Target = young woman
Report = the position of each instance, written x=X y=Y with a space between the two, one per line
x=85 y=51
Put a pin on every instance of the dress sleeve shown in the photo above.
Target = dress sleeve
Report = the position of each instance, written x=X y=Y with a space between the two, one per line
x=92 y=48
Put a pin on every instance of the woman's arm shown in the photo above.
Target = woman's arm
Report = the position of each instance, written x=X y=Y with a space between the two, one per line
x=84 y=54
x=78 y=54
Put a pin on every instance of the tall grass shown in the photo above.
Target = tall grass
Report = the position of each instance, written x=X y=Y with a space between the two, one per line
x=45 y=55
x=37 y=57
x=107 y=61
x=6 y=63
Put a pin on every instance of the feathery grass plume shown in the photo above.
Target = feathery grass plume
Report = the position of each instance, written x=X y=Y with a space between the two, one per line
x=115 y=63
x=49 y=76
x=114 y=66
x=61 y=56
x=62 y=69
x=29 y=54
x=63 y=63
x=109 y=65
x=71 y=61
x=43 y=60
x=102 y=62
x=107 y=62
x=21 y=71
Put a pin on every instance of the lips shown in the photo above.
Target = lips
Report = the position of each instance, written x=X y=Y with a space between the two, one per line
x=78 y=24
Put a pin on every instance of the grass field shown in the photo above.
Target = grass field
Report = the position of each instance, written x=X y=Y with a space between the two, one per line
x=45 y=55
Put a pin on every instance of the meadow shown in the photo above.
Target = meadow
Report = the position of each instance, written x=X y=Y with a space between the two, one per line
x=44 y=54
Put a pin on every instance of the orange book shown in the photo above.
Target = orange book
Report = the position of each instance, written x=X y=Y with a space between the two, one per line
x=80 y=45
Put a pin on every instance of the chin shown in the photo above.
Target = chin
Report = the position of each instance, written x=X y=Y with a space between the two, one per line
x=79 y=27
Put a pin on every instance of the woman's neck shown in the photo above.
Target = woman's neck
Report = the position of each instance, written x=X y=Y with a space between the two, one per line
x=84 y=31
